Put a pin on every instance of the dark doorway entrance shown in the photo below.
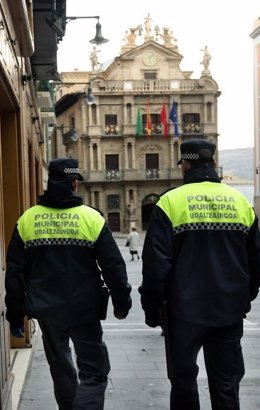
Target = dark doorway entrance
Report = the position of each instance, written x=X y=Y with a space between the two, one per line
x=114 y=221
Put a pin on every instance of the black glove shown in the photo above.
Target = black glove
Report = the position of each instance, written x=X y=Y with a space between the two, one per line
x=153 y=318
x=17 y=331
x=119 y=314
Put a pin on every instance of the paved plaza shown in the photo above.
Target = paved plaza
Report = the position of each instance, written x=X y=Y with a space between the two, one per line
x=138 y=378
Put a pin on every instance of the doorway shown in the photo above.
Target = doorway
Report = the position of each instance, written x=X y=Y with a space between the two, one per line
x=114 y=221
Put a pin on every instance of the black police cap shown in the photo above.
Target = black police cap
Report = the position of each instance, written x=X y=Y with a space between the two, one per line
x=62 y=168
x=197 y=150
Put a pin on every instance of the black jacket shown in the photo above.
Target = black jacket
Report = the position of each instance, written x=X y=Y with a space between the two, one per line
x=62 y=283
x=207 y=275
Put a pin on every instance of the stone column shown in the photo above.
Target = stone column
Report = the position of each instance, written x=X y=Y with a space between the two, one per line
x=82 y=154
x=126 y=154
x=89 y=114
x=91 y=156
x=133 y=155
x=99 y=155
x=92 y=198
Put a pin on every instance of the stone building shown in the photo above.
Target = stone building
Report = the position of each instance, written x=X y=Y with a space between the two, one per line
x=127 y=156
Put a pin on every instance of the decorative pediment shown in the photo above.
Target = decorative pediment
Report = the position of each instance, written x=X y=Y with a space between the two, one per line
x=148 y=56
x=151 y=46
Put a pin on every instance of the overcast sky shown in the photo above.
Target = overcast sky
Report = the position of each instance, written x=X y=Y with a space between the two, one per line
x=225 y=27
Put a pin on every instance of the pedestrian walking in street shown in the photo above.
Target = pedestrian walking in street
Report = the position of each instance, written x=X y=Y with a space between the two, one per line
x=133 y=243
x=57 y=254
x=201 y=256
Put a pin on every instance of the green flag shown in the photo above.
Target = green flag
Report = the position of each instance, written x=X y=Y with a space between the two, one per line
x=139 y=123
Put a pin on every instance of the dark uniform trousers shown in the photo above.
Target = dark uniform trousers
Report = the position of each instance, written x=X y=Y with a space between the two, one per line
x=223 y=360
x=83 y=389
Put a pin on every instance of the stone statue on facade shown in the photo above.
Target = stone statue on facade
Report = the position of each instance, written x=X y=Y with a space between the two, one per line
x=94 y=59
x=131 y=38
x=168 y=39
x=131 y=213
x=131 y=209
x=147 y=25
x=206 y=60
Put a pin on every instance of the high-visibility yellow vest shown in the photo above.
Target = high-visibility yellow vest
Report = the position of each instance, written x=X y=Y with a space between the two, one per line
x=207 y=205
x=40 y=225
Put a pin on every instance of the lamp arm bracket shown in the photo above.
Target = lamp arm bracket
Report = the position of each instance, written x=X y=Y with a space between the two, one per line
x=69 y=18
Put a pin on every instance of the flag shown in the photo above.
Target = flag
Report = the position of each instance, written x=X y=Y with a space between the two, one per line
x=173 y=117
x=148 y=121
x=139 y=123
x=163 y=119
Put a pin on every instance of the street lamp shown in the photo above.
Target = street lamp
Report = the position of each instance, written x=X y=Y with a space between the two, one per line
x=58 y=24
x=89 y=99
x=98 y=39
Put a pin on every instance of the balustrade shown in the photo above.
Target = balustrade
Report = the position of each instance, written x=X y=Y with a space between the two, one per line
x=148 y=85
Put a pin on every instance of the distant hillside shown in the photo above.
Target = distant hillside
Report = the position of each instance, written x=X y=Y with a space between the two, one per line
x=237 y=164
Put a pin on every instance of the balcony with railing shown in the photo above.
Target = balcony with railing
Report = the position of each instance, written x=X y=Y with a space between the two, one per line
x=137 y=175
x=113 y=175
x=132 y=175
x=192 y=128
x=112 y=130
x=156 y=129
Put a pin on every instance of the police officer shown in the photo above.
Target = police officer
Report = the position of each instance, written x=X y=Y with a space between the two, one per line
x=53 y=274
x=202 y=255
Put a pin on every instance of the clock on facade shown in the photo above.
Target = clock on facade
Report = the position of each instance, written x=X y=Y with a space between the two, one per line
x=149 y=58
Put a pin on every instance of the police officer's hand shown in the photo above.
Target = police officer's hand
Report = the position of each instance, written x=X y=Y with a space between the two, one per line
x=17 y=331
x=153 y=318
x=120 y=315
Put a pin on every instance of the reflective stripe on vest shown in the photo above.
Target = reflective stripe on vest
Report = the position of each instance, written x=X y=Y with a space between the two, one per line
x=41 y=225
x=207 y=205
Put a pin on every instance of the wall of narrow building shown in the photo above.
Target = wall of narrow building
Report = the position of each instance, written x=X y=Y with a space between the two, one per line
x=22 y=152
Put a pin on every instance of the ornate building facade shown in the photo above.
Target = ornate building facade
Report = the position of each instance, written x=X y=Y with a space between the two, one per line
x=127 y=145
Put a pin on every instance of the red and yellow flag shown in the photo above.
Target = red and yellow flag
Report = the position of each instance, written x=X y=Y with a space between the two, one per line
x=148 y=121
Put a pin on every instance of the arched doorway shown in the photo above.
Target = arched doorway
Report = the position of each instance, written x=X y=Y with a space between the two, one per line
x=147 y=206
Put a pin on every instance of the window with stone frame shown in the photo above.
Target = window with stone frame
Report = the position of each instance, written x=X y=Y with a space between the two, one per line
x=191 y=122
x=111 y=126
x=113 y=201
x=150 y=75
x=112 y=167
x=152 y=166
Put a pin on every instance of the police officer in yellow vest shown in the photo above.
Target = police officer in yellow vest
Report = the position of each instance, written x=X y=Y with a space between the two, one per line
x=202 y=255
x=53 y=274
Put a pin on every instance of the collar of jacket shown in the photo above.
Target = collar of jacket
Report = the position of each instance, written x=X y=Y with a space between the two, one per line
x=201 y=174
x=59 y=195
